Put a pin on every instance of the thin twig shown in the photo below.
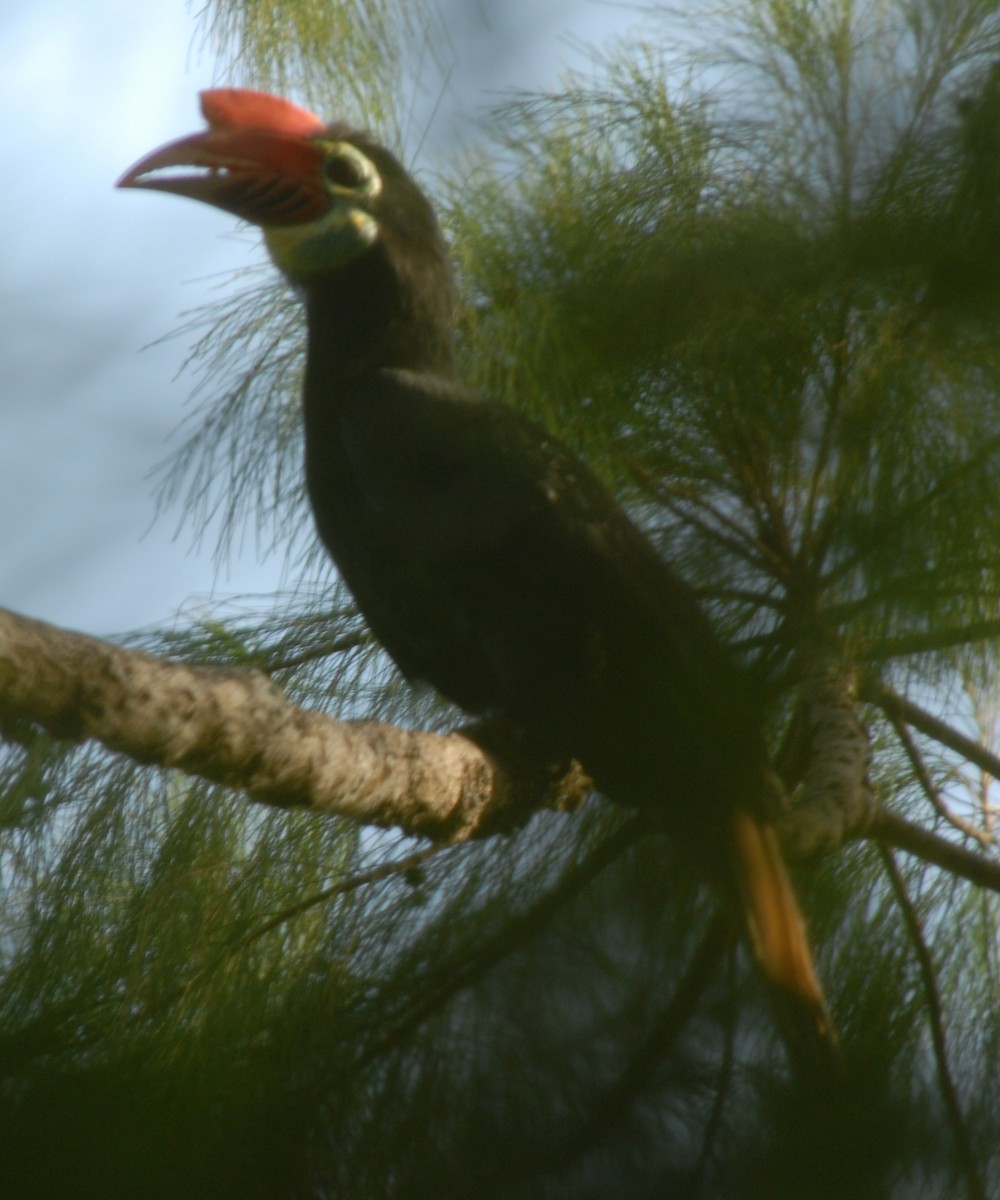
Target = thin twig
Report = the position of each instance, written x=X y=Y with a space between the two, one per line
x=350 y=641
x=492 y=950
x=886 y=530
x=614 y=1104
x=936 y=1021
x=714 y=1124
x=739 y=540
x=923 y=775
x=896 y=706
x=398 y=866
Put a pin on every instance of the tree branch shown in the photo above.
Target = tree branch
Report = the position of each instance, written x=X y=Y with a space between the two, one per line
x=894 y=830
x=613 y=1106
x=984 y=837
x=838 y=800
x=237 y=728
x=935 y=1017
x=928 y=641
x=898 y=707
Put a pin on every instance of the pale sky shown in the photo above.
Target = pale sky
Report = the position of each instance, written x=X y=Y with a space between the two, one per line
x=89 y=276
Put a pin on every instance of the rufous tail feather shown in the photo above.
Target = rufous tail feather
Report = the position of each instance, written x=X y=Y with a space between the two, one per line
x=777 y=933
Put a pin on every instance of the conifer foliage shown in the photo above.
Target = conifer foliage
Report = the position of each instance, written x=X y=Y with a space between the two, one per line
x=748 y=266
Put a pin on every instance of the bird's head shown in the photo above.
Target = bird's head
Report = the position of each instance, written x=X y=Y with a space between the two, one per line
x=322 y=194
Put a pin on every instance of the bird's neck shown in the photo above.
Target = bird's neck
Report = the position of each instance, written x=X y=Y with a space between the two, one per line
x=374 y=315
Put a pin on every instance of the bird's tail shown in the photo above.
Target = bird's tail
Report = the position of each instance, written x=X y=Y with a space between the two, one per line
x=778 y=937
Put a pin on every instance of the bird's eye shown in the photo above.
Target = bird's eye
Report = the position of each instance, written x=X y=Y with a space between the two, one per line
x=345 y=172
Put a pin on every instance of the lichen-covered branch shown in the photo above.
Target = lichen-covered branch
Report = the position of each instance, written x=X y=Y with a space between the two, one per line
x=837 y=800
x=236 y=727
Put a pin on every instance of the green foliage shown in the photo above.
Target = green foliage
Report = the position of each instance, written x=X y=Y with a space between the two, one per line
x=756 y=339
x=242 y=460
x=756 y=285
x=352 y=56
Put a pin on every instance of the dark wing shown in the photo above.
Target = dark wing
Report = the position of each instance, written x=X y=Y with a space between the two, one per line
x=497 y=567
x=490 y=562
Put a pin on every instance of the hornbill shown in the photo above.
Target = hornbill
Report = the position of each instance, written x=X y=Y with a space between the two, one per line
x=487 y=560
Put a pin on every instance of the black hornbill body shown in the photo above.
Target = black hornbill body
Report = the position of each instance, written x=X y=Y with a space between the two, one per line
x=488 y=560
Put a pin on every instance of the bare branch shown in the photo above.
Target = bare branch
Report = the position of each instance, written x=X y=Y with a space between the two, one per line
x=685 y=502
x=930 y=790
x=926 y=642
x=894 y=830
x=896 y=706
x=236 y=727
